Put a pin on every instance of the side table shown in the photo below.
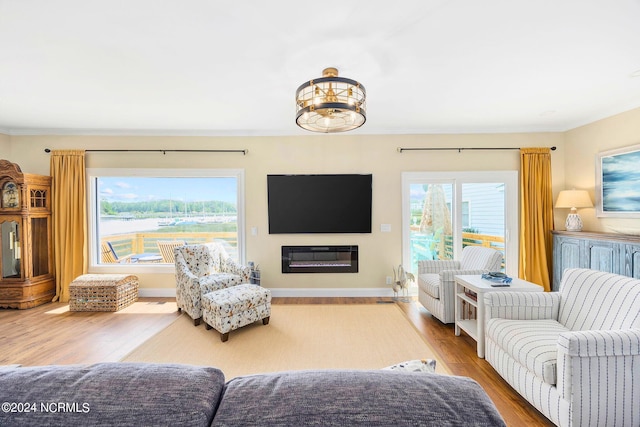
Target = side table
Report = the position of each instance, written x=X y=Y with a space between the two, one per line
x=149 y=259
x=467 y=285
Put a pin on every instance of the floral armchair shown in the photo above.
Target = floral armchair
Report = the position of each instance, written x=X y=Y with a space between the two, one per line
x=201 y=269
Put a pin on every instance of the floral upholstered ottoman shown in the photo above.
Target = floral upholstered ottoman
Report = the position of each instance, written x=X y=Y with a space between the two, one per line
x=231 y=308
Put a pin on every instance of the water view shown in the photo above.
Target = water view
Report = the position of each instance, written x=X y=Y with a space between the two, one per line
x=138 y=212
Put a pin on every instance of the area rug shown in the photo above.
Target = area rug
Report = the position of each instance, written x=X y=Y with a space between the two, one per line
x=298 y=337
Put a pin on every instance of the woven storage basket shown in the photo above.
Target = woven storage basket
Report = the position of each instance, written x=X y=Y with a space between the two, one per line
x=103 y=292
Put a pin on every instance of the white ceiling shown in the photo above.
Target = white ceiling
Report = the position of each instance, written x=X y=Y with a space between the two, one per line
x=209 y=67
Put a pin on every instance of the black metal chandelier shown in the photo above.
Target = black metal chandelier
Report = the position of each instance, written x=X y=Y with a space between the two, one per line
x=331 y=103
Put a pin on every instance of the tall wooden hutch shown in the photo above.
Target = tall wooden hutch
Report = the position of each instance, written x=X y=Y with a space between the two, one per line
x=26 y=252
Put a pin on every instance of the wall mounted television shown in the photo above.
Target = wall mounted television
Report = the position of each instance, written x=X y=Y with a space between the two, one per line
x=319 y=203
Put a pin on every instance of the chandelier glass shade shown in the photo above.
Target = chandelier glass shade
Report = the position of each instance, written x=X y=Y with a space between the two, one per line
x=330 y=103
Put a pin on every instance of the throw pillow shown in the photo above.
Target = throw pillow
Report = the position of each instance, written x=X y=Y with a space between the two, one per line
x=423 y=365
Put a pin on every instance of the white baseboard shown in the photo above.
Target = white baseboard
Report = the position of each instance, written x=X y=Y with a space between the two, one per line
x=332 y=292
x=157 y=292
x=293 y=292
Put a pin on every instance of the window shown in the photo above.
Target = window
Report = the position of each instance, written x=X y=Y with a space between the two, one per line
x=445 y=211
x=465 y=213
x=139 y=215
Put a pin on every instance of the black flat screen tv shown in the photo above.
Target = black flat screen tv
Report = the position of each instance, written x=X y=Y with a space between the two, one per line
x=319 y=203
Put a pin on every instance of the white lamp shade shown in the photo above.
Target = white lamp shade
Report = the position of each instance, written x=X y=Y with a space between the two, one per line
x=574 y=199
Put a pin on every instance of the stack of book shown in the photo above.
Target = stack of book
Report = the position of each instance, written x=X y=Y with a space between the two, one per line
x=471 y=294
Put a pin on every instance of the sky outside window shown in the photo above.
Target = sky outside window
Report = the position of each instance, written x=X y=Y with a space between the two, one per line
x=141 y=189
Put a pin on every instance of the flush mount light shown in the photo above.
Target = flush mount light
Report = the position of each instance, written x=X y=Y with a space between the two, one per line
x=330 y=103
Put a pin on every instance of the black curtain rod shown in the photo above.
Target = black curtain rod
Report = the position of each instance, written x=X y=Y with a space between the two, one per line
x=244 y=151
x=459 y=150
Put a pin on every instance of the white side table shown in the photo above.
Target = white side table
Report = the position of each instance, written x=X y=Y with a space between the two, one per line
x=476 y=284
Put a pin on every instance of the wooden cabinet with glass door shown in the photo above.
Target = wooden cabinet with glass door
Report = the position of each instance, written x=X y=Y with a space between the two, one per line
x=26 y=253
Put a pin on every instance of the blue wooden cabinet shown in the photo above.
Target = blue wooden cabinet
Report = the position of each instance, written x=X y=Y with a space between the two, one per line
x=631 y=260
x=613 y=253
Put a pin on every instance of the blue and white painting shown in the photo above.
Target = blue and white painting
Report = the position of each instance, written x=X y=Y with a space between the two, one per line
x=621 y=183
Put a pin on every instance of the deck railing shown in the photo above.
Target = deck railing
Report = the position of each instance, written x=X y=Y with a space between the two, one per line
x=426 y=247
x=146 y=242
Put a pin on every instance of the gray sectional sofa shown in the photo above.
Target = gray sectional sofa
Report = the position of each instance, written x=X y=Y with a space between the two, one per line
x=136 y=394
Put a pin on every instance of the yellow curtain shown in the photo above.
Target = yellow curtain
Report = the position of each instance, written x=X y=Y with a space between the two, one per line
x=536 y=216
x=69 y=215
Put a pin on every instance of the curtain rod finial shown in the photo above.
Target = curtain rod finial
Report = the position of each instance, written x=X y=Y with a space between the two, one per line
x=47 y=150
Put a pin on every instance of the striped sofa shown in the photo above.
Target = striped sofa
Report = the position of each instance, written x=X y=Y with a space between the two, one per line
x=573 y=354
x=436 y=287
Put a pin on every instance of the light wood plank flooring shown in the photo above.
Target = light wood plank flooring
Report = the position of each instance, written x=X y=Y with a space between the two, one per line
x=50 y=334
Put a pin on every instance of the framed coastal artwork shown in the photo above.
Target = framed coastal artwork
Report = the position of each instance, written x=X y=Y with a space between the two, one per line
x=618 y=183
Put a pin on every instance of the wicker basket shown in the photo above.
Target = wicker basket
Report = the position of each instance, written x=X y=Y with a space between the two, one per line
x=103 y=292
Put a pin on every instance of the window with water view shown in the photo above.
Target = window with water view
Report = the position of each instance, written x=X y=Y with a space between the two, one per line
x=140 y=219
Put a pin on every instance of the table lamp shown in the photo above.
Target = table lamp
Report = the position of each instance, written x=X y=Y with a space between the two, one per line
x=573 y=199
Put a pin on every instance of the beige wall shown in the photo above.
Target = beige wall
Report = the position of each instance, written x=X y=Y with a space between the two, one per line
x=573 y=167
x=5 y=145
x=379 y=251
x=582 y=145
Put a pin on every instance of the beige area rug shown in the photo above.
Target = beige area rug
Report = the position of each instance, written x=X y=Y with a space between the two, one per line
x=315 y=336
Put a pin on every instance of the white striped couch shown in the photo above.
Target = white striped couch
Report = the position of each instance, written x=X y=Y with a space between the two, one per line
x=573 y=354
x=436 y=287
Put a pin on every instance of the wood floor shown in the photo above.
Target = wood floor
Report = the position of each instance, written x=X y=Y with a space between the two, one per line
x=50 y=334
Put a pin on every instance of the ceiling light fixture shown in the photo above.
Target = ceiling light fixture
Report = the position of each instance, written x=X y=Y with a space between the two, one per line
x=330 y=103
